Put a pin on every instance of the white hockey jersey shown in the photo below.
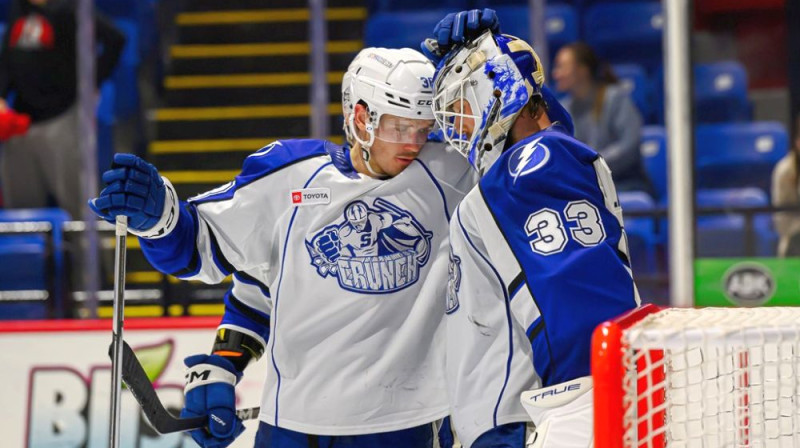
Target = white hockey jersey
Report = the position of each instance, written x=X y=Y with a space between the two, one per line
x=539 y=258
x=330 y=271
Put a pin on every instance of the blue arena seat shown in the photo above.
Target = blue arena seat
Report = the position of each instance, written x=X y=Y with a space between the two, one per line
x=653 y=147
x=106 y=119
x=738 y=154
x=561 y=23
x=720 y=93
x=400 y=28
x=119 y=8
x=26 y=262
x=379 y=6
x=634 y=78
x=126 y=74
x=628 y=32
x=727 y=235
x=641 y=231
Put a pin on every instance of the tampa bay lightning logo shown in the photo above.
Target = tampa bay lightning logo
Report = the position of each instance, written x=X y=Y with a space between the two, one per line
x=453 y=282
x=528 y=158
x=372 y=249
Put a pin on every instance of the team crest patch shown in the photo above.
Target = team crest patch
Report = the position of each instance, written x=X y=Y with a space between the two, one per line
x=528 y=158
x=374 y=249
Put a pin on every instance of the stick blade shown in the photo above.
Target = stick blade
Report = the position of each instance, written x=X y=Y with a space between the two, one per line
x=134 y=376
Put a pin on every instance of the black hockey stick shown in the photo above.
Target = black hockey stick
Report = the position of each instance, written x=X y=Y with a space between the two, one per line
x=160 y=419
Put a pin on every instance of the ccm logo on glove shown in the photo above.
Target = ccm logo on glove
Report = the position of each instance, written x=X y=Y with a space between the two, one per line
x=192 y=376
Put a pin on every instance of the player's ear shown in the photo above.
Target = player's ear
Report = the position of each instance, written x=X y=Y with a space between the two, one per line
x=360 y=116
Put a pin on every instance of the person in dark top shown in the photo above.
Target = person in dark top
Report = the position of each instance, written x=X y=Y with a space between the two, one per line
x=604 y=114
x=38 y=66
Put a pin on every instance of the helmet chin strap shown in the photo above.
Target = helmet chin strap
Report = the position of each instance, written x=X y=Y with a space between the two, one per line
x=365 y=144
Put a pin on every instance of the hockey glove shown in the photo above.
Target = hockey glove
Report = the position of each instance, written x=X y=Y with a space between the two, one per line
x=210 y=382
x=457 y=28
x=135 y=189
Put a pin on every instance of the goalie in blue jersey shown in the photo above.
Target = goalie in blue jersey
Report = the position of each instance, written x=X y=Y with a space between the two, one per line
x=539 y=255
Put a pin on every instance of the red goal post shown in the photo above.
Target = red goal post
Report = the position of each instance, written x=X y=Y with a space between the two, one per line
x=707 y=377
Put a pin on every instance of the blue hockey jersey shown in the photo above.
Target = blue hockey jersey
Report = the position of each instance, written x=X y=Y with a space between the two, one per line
x=539 y=257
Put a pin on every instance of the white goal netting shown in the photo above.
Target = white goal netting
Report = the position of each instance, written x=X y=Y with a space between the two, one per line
x=712 y=377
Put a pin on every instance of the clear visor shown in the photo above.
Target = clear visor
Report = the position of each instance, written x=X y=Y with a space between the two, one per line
x=393 y=129
x=454 y=114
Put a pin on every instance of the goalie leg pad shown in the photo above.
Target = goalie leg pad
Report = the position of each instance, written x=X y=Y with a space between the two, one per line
x=563 y=414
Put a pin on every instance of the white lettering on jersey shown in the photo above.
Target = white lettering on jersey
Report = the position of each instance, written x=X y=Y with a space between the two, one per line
x=310 y=196
x=547 y=228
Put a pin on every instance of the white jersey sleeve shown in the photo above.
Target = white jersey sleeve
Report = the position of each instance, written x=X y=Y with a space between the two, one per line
x=216 y=230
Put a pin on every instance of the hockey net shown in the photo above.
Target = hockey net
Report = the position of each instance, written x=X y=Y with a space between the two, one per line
x=711 y=377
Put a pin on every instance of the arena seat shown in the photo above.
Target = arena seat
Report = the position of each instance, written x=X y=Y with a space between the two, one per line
x=720 y=93
x=382 y=29
x=641 y=231
x=653 y=147
x=726 y=235
x=561 y=24
x=638 y=41
x=26 y=261
x=634 y=78
x=734 y=155
x=381 y=6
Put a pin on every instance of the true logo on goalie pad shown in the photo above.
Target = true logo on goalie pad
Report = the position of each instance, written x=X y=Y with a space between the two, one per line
x=373 y=249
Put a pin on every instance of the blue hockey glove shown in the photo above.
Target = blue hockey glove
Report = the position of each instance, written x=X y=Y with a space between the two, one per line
x=210 y=382
x=457 y=28
x=135 y=189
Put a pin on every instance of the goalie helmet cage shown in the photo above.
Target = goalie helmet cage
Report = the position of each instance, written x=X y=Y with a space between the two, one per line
x=710 y=377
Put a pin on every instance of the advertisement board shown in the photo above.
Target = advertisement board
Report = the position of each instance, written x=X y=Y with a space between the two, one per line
x=56 y=381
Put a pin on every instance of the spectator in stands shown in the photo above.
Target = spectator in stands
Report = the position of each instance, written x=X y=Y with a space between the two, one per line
x=38 y=66
x=786 y=192
x=604 y=113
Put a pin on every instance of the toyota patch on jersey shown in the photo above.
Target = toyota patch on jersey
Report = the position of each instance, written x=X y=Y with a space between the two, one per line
x=310 y=196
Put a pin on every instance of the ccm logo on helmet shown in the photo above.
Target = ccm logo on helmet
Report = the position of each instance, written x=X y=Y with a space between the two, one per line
x=310 y=196
x=424 y=102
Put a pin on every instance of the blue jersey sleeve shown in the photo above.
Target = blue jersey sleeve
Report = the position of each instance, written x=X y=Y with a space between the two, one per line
x=546 y=197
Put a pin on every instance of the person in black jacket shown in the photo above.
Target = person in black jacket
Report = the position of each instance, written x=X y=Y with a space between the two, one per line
x=38 y=66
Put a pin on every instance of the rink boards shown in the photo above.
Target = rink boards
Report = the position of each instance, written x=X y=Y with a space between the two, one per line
x=56 y=381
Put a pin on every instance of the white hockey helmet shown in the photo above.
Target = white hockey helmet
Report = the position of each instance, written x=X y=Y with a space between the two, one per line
x=396 y=82
x=496 y=76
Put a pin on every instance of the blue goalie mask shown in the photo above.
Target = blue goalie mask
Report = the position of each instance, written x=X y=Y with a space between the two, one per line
x=480 y=90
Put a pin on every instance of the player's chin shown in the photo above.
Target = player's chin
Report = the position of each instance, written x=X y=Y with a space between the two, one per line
x=403 y=162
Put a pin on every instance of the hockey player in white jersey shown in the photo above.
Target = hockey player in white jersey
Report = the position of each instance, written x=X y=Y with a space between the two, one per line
x=539 y=255
x=328 y=246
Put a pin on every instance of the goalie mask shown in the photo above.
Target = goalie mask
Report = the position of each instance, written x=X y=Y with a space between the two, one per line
x=397 y=88
x=479 y=92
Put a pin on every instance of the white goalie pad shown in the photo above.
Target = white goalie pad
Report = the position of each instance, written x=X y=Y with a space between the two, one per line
x=563 y=414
